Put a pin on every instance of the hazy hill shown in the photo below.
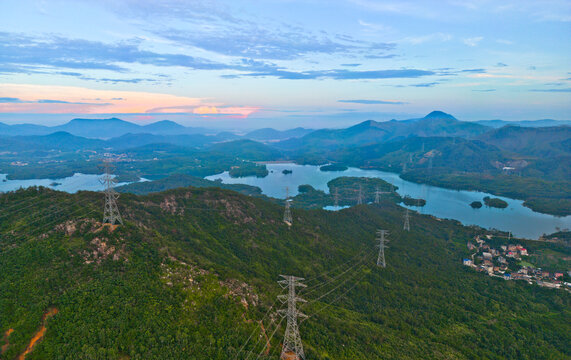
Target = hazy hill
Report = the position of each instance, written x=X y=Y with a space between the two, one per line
x=193 y=272
x=65 y=141
x=24 y=129
x=56 y=141
x=247 y=150
x=101 y=128
x=544 y=141
x=436 y=123
x=526 y=123
x=454 y=154
x=273 y=134
x=134 y=140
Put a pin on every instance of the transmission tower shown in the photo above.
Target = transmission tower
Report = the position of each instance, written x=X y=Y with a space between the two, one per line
x=406 y=221
x=360 y=196
x=378 y=194
x=111 y=213
x=292 y=347
x=382 y=241
x=336 y=197
x=287 y=213
x=410 y=158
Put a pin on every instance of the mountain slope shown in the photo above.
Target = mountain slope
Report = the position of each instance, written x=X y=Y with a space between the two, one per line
x=192 y=272
x=273 y=134
x=247 y=149
x=437 y=123
x=544 y=141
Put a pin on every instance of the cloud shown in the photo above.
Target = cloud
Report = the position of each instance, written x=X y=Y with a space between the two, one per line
x=373 y=102
x=484 y=90
x=505 y=42
x=551 y=90
x=21 y=53
x=10 y=100
x=269 y=44
x=473 y=41
x=531 y=67
x=388 y=56
x=501 y=64
x=415 y=40
x=72 y=101
x=474 y=71
x=374 y=27
x=343 y=74
x=218 y=28
x=430 y=84
x=13 y=100
x=50 y=101
x=351 y=65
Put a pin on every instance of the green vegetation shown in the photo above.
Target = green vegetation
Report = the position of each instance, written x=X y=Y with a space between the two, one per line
x=171 y=282
x=348 y=188
x=551 y=197
x=333 y=167
x=180 y=180
x=495 y=202
x=410 y=201
x=287 y=171
x=247 y=150
x=248 y=169
x=476 y=204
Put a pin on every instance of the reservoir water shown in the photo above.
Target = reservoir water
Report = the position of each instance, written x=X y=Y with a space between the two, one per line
x=440 y=202
x=70 y=184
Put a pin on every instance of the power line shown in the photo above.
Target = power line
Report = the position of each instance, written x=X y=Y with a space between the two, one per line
x=337 y=298
x=256 y=328
x=318 y=286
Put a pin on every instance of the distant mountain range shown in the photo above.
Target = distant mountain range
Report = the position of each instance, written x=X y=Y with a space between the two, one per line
x=102 y=128
x=524 y=123
x=268 y=134
x=437 y=123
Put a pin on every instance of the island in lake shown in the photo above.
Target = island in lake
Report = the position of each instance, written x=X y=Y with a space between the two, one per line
x=333 y=167
x=495 y=202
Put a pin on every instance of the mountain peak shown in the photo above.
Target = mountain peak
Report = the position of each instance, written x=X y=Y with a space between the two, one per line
x=436 y=114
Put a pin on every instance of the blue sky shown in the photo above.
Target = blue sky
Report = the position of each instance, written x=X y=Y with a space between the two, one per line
x=283 y=63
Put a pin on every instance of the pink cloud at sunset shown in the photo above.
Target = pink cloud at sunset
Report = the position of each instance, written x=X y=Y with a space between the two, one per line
x=20 y=98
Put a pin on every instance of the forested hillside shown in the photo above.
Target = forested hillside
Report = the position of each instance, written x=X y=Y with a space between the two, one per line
x=192 y=274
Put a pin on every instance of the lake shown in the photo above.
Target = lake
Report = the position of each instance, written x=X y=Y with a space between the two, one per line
x=440 y=202
x=70 y=184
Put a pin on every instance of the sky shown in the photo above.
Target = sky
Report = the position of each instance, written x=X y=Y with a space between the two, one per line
x=283 y=63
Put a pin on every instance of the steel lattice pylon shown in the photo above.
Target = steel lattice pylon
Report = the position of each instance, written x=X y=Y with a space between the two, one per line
x=111 y=213
x=292 y=346
x=287 y=212
x=406 y=221
x=382 y=241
